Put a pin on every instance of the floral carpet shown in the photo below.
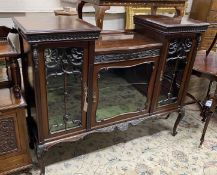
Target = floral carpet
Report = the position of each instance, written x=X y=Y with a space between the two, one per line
x=145 y=149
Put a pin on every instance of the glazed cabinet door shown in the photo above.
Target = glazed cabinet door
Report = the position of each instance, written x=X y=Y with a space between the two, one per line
x=122 y=90
x=65 y=70
x=174 y=72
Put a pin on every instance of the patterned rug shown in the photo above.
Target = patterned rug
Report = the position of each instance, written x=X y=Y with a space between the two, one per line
x=145 y=149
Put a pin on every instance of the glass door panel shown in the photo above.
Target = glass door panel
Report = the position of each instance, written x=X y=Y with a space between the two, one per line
x=174 y=70
x=123 y=90
x=64 y=87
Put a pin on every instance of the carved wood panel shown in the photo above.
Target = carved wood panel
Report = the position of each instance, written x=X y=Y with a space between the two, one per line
x=8 y=140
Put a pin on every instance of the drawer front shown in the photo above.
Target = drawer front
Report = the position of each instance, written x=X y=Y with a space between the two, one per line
x=214 y=5
x=212 y=17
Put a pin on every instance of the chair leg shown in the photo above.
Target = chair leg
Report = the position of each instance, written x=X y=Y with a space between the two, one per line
x=205 y=128
x=205 y=108
x=179 y=118
x=212 y=110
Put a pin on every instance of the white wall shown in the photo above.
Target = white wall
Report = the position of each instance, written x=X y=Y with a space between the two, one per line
x=29 y=5
x=10 y=8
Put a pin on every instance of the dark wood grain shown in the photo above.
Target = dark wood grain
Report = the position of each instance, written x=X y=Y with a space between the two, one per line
x=128 y=40
x=151 y=42
x=206 y=64
x=165 y=24
x=205 y=11
x=52 y=25
x=14 y=152
x=6 y=50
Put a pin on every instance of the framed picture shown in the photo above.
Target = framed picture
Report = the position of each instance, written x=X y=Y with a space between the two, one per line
x=131 y=11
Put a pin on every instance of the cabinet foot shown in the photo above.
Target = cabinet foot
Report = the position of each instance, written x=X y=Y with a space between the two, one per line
x=32 y=131
x=179 y=118
x=40 y=156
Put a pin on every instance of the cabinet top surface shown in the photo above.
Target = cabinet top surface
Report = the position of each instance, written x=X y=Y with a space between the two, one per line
x=123 y=41
x=166 y=21
x=163 y=23
x=8 y=100
x=33 y=25
x=6 y=49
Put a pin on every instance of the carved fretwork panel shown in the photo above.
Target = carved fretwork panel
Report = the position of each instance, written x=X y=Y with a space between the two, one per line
x=8 y=141
x=176 y=62
x=64 y=87
x=127 y=56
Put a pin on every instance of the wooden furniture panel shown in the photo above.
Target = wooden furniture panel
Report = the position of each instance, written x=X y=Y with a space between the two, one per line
x=212 y=17
x=14 y=152
x=177 y=50
x=205 y=11
x=124 y=69
x=127 y=61
x=213 y=5
x=61 y=54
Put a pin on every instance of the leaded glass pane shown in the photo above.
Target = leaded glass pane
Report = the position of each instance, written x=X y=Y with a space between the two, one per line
x=64 y=87
x=174 y=71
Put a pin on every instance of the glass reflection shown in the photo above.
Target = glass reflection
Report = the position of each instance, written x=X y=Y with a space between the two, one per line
x=122 y=90
x=174 y=70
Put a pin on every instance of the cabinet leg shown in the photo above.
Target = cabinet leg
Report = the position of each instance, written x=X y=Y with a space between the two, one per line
x=179 y=118
x=32 y=131
x=40 y=156
x=42 y=166
x=208 y=116
x=205 y=128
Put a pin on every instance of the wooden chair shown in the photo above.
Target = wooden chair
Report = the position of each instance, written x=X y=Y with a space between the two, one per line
x=205 y=66
x=9 y=67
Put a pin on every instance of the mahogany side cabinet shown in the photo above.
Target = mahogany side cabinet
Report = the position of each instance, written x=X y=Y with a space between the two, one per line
x=14 y=150
x=85 y=82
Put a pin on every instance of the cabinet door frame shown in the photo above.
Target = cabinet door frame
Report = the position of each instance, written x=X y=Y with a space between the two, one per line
x=39 y=80
x=185 y=77
x=125 y=116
